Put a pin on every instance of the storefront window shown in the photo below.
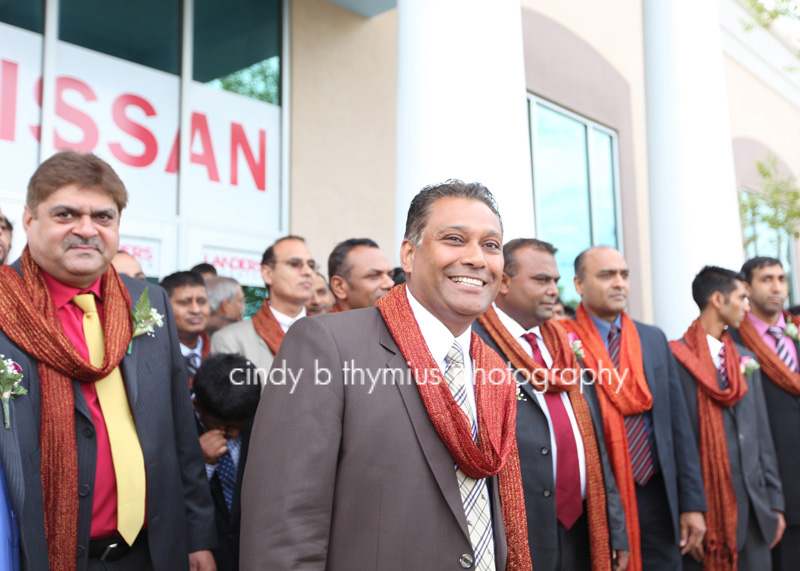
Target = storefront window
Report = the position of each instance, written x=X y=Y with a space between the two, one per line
x=575 y=187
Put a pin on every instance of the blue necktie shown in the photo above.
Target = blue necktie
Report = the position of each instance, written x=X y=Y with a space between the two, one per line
x=226 y=470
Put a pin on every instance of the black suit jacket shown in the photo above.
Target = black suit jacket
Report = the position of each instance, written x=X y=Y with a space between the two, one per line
x=783 y=409
x=179 y=508
x=751 y=454
x=229 y=523
x=536 y=464
x=676 y=447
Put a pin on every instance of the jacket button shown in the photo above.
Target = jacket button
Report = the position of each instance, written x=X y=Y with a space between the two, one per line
x=466 y=561
x=84 y=490
x=545 y=451
x=88 y=431
x=546 y=493
x=741 y=437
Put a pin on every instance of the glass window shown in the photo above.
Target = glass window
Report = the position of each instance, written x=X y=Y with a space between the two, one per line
x=26 y=15
x=574 y=185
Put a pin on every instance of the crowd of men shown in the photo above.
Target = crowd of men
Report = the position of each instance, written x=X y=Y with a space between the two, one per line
x=447 y=414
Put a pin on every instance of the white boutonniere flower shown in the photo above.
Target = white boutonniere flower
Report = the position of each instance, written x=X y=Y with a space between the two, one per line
x=520 y=394
x=748 y=366
x=576 y=345
x=10 y=379
x=145 y=318
x=791 y=331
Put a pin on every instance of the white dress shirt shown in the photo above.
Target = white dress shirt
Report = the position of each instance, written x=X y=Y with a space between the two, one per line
x=185 y=351
x=439 y=339
x=714 y=347
x=517 y=332
x=284 y=320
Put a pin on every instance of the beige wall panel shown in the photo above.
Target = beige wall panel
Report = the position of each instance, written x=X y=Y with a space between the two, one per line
x=343 y=136
x=609 y=47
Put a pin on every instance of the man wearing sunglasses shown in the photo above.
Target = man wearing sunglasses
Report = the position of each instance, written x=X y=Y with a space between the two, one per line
x=288 y=270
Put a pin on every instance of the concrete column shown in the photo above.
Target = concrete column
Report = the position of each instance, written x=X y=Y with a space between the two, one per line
x=694 y=213
x=461 y=109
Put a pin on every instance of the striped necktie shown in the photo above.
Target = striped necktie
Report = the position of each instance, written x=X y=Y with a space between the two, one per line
x=474 y=495
x=783 y=352
x=638 y=443
x=126 y=452
x=723 y=368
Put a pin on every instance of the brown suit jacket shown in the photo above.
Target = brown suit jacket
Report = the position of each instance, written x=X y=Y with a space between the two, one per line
x=345 y=470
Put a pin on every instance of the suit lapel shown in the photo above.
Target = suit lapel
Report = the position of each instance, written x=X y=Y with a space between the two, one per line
x=435 y=451
x=128 y=366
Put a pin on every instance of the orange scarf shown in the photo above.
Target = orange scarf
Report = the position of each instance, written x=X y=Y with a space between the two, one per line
x=774 y=367
x=268 y=328
x=336 y=308
x=496 y=404
x=693 y=353
x=558 y=345
x=633 y=398
x=30 y=319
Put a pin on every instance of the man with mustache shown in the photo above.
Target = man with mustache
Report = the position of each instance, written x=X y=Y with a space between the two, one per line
x=359 y=272
x=395 y=447
x=570 y=491
x=101 y=452
x=652 y=449
x=189 y=300
x=287 y=269
x=322 y=300
x=6 y=233
x=771 y=333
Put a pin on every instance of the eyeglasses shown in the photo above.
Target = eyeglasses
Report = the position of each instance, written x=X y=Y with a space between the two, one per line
x=298 y=263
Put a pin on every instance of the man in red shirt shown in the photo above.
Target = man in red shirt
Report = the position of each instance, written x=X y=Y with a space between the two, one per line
x=115 y=471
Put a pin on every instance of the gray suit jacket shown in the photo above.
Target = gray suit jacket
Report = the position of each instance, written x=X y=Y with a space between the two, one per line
x=345 y=470
x=242 y=338
x=754 y=467
x=533 y=438
x=180 y=514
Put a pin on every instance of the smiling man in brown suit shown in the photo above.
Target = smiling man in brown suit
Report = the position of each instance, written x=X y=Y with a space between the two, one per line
x=347 y=470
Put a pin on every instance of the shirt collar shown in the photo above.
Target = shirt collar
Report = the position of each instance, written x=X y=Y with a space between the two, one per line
x=185 y=351
x=62 y=294
x=284 y=320
x=513 y=327
x=714 y=345
x=437 y=336
x=762 y=326
x=604 y=327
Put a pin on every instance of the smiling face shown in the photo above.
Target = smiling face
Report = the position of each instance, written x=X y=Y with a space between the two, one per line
x=74 y=234
x=455 y=271
x=604 y=288
x=530 y=294
x=321 y=297
x=769 y=290
x=190 y=306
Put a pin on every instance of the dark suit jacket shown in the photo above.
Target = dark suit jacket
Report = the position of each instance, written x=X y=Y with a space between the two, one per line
x=676 y=447
x=533 y=439
x=752 y=455
x=228 y=523
x=783 y=410
x=345 y=474
x=179 y=508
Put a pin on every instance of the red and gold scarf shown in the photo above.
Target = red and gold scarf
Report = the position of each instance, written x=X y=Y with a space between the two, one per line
x=773 y=366
x=496 y=404
x=30 y=319
x=719 y=542
x=633 y=398
x=558 y=345
x=268 y=327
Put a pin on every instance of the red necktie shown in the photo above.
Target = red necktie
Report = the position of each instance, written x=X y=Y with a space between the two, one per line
x=569 y=504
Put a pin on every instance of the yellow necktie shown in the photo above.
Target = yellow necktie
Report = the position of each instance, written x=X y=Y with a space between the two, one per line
x=126 y=451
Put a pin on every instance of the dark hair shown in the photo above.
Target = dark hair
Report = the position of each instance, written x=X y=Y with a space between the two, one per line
x=510 y=249
x=68 y=167
x=268 y=259
x=204 y=268
x=398 y=276
x=420 y=209
x=712 y=279
x=756 y=264
x=580 y=260
x=9 y=225
x=337 y=261
x=226 y=387
x=181 y=279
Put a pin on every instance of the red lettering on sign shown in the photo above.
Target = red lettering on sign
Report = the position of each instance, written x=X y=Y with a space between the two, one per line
x=206 y=158
x=141 y=253
x=8 y=99
x=257 y=168
x=135 y=130
x=75 y=116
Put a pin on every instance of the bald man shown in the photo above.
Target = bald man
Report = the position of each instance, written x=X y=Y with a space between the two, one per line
x=127 y=265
